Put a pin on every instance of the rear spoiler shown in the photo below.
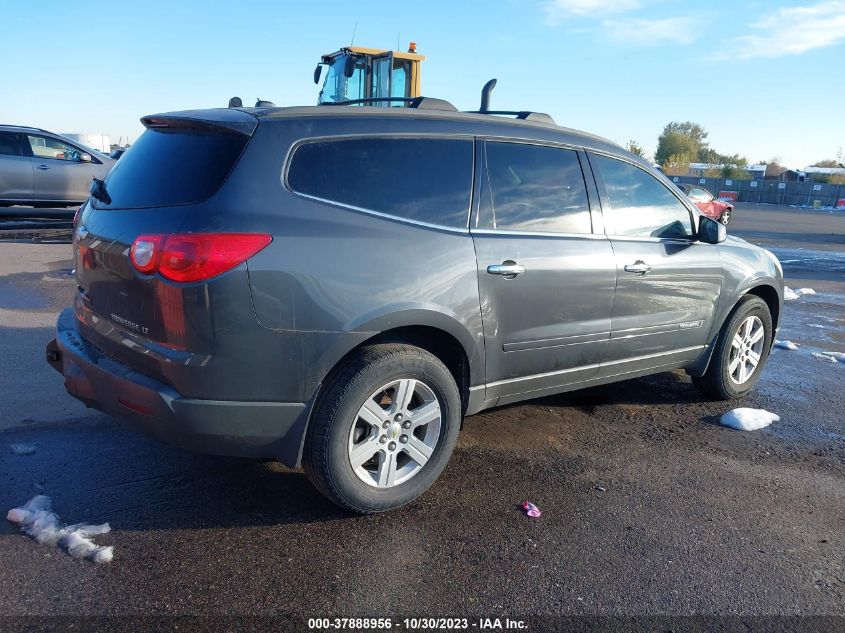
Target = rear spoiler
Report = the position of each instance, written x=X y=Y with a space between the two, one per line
x=219 y=119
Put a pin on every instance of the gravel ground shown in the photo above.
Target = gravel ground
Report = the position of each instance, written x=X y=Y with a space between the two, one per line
x=650 y=508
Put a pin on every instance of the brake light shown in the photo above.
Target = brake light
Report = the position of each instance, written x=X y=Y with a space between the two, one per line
x=189 y=257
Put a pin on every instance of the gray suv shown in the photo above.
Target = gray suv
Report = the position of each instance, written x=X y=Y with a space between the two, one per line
x=337 y=287
x=40 y=168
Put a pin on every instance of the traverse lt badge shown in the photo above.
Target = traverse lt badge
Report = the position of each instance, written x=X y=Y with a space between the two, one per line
x=690 y=324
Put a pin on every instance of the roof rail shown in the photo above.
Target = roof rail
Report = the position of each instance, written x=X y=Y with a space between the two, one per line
x=524 y=115
x=27 y=127
x=419 y=103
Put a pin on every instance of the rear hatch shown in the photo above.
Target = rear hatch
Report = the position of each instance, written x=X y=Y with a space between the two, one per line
x=169 y=175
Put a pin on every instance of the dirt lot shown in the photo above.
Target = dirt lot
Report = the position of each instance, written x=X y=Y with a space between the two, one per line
x=650 y=508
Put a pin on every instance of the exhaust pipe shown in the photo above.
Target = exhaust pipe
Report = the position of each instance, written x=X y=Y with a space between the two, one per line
x=485 y=95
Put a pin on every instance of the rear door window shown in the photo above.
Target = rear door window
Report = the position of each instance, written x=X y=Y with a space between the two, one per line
x=172 y=166
x=10 y=144
x=534 y=188
x=422 y=179
x=640 y=205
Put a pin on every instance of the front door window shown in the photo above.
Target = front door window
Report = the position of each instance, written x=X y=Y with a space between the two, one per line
x=46 y=147
x=640 y=205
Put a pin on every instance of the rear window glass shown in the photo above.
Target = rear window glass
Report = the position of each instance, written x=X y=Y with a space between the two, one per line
x=169 y=167
x=428 y=180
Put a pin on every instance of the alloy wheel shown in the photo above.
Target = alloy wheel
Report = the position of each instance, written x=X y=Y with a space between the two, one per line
x=746 y=350
x=395 y=433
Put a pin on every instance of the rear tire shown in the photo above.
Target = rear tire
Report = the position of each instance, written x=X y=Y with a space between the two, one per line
x=741 y=351
x=367 y=427
x=725 y=217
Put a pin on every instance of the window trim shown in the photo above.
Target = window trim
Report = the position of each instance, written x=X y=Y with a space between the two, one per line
x=605 y=201
x=380 y=214
x=592 y=205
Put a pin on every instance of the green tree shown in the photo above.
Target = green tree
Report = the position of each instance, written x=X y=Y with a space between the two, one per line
x=678 y=164
x=733 y=172
x=635 y=148
x=681 y=139
x=709 y=155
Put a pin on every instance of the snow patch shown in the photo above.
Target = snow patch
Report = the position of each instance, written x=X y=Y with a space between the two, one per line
x=829 y=357
x=786 y=345
x=745 y=419
x=791 y=295
x=22 y=449
x=37 y=519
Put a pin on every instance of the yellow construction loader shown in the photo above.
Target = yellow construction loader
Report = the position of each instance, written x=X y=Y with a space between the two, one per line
x=371 y=76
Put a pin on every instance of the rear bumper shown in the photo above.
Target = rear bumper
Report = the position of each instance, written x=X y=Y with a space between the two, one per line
x=222 y=427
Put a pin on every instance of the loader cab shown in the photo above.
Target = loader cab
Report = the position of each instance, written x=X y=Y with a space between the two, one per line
x=355 y=72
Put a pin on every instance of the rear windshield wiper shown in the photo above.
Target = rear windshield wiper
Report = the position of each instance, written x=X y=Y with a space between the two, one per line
x=98 y=191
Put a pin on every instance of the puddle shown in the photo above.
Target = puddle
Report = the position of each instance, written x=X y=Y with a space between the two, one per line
x=795 y=260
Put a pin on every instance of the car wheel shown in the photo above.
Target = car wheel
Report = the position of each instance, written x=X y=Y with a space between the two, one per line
x=726 y=217
x=741 y=351
x=383 y=428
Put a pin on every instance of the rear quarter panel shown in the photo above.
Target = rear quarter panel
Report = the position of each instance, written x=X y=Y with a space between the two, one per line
x=334 y=277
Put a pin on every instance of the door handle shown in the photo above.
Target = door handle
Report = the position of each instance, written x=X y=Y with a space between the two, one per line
x=639 y=267
x=508 y=269
x=42 y=167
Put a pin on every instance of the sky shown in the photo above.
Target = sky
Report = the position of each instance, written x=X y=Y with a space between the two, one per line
x=765 y=79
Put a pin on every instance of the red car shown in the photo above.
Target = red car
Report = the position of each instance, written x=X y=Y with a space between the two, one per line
x=709 y=205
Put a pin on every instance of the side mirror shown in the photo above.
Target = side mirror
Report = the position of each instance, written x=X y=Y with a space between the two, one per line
x=349 y=66
x=317 y=72
x=710 y=231
x=84 y=157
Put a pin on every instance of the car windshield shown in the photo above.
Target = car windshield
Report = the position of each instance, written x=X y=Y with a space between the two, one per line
x=337 y=87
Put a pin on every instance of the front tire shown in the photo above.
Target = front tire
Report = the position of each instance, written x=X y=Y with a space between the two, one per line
x=383 y=429
x=726 y=217
x=741 y=351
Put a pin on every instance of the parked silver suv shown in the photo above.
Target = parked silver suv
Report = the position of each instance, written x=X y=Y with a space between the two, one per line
x=44 y=169
x=338 y=286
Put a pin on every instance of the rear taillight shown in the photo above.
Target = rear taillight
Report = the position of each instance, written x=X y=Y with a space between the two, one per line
x=144 y=252
x=189 y=257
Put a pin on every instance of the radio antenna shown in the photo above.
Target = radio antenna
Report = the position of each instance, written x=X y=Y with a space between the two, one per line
x=355 y=28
